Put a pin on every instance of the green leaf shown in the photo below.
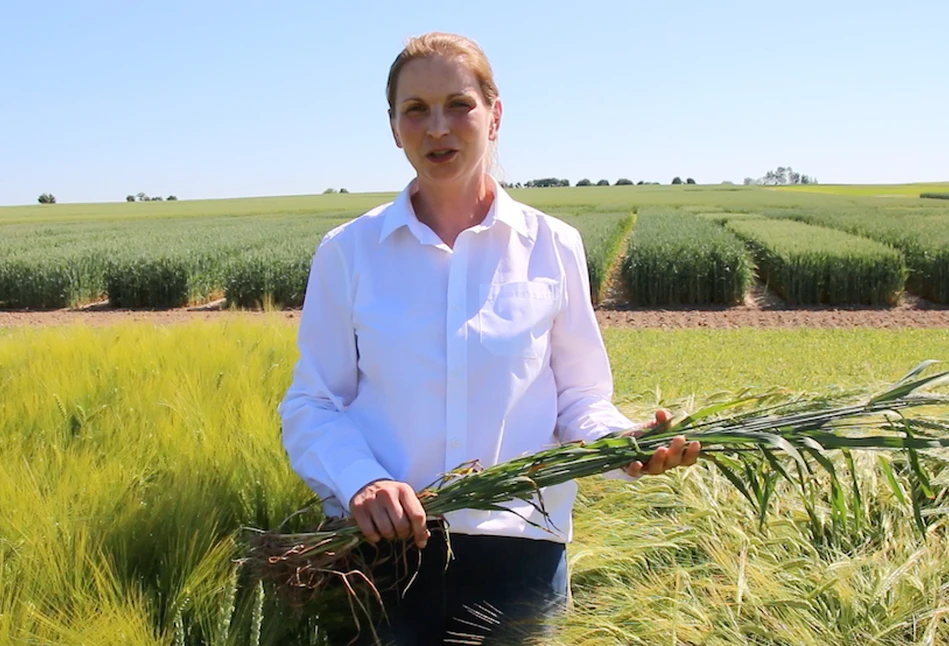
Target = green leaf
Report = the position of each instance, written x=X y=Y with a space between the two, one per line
x=904 y=389
x=719 y=461
x=891 y=478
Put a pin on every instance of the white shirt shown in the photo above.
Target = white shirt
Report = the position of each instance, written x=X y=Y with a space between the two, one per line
x=416 y=357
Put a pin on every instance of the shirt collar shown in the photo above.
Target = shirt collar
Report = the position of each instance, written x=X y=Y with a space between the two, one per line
x=402 y=214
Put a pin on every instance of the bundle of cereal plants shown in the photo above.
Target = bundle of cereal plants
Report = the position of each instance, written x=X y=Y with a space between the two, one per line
x=755 y=441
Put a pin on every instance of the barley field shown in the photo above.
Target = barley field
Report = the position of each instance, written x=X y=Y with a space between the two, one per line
x=133 y=453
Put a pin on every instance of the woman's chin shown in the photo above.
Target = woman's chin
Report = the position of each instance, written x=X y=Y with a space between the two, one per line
x=442 y=173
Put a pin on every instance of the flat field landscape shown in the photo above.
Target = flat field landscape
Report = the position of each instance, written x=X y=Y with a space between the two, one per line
x=647 y=246
x=133 y=450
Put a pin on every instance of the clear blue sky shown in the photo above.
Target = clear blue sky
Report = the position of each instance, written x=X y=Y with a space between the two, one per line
x=221 y=99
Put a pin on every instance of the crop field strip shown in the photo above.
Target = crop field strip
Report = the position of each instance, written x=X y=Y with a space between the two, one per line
x=921 y=234
x=678 y=258
x=156 y=264
x=811 y=265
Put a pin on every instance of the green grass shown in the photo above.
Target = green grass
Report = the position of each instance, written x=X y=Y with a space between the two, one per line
x=131 y=453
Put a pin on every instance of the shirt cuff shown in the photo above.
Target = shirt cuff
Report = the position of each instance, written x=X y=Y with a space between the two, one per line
x=356 y=476
x=619 y=474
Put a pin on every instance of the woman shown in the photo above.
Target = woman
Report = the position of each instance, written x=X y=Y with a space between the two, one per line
x=450 y=325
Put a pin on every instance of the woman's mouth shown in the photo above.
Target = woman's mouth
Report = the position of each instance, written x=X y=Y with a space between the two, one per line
x=442 y=155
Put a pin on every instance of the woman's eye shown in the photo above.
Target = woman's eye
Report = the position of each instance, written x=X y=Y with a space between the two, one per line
x=464 y=105
x=415 y=109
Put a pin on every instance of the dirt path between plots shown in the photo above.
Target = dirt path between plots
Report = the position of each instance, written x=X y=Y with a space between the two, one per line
x=760 y=310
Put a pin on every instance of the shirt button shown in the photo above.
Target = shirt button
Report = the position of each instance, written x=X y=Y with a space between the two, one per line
x=454 y=444
x=455 y=308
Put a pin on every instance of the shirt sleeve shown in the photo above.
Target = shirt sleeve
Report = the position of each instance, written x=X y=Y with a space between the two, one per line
x=579 y=361
x=324 y=446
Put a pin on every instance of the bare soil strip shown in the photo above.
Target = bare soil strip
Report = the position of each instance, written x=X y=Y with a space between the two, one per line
x=760 y=310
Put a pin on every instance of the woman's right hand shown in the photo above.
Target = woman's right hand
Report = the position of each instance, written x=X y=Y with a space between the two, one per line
x=389 y=509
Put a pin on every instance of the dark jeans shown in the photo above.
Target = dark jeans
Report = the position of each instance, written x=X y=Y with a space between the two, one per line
x=496 y=590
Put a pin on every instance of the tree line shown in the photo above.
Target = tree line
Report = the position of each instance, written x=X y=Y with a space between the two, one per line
x=548 y=182
x=781 y=176
x=142 y=197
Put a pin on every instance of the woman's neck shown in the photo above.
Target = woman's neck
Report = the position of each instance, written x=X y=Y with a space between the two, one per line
x=450 y=209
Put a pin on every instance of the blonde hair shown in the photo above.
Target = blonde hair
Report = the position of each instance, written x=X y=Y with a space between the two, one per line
x=439 y=43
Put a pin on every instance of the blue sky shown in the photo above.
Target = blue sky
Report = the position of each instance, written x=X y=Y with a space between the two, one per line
x=227 y=99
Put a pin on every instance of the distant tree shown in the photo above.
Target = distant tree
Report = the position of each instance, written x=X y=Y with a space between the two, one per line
x=622 y=181
x=172 y=198
x=676 y=180
x=584 y=182
x=689 y=180
x=603 y=182
x=129 y=198
x=329 y=191
x=518 y=185
x=343 y=190
x=727 y=182
x=142 y=197
x=47 y=198
x=547 y=182
x=640 y=183
x=748 y=181
x=783 y=176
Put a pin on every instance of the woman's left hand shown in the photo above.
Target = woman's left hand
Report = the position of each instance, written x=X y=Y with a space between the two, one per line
x=666 y=457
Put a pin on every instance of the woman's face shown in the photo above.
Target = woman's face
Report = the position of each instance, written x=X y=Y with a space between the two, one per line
x=441 y=120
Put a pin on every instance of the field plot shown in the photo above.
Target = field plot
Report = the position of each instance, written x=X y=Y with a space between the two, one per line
x=809 y=265
x=132 y=454
x=676 y=258
x=921 y=233
x=155 y=264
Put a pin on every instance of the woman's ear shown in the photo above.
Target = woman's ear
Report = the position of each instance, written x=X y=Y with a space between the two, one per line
x=495 y=120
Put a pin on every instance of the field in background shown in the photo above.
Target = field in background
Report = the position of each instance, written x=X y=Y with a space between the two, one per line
x=871 y=190
x=257 y=251
x=132 y=453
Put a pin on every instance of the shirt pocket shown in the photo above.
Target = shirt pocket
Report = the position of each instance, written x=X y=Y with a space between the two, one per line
x=515 y=317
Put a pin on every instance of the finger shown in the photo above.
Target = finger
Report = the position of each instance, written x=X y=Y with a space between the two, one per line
x=674 y=456
x=364 y=520
x=691 y=454
x=634 y=469
x=663 y=416
x=656 y=464
x=396 y=514
x=416 y=517
x=381 y=520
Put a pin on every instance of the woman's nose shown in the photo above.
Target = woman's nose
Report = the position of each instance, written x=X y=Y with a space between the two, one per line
x=437 y=123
